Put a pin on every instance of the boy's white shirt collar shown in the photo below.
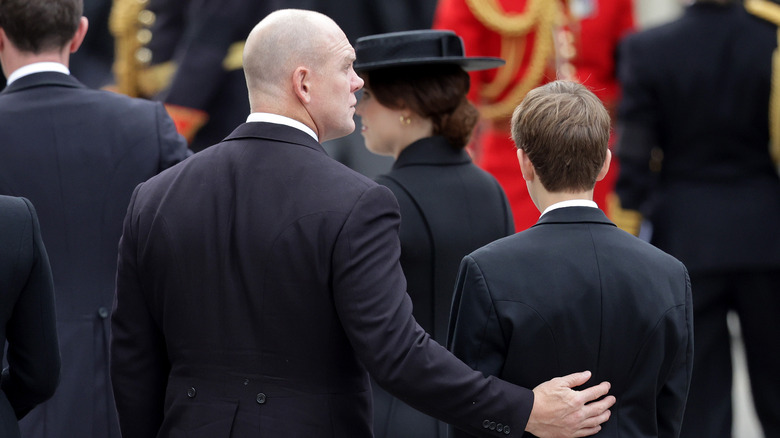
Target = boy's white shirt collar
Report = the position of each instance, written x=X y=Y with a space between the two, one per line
x=570 y=203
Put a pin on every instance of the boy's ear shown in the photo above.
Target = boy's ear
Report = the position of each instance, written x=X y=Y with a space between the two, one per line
x=605 y=167
x=526 y=167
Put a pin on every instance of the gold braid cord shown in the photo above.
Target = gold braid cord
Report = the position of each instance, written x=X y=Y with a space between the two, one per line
x=513 y=51
x=489 y=13
x=540 y=16
x=124 y=26
x=771 y=12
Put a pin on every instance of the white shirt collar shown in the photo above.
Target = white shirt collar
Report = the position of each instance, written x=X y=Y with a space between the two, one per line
x=570 y=203
x=37 y=67
x=281 y=120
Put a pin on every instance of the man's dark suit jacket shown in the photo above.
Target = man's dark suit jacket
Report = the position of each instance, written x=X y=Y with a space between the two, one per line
x=27 y=319
x=576 y=293
x=77 y=154
x=258 y=282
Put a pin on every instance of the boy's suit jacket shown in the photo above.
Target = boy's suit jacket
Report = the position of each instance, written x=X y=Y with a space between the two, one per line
x=574 y=292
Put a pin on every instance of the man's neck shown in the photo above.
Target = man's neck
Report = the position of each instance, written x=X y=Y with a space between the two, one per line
x=14 y=59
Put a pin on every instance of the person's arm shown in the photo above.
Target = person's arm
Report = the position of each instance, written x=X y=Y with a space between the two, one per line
x=670 y=402
x=173 y=147
x=139 y=361
x=369 y=293
x=33 y=349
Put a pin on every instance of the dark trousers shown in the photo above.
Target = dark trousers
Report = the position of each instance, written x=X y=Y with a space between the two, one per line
x=755 y=297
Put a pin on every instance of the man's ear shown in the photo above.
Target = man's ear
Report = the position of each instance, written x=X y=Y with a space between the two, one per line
x=302 y=84
x=526 y=167
x=4 y=41
x=605 y=167
x=78 y=37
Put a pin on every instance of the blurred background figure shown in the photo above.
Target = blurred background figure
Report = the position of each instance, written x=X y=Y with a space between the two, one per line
x=28 y=331
x=694 y=145
x=414 y=109
x=541 y=40
x=91 y=64
x=76 y=153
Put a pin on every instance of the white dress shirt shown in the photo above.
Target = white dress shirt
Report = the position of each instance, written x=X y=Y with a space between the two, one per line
x=281 y=120
x=37 y=67
x=570 y=203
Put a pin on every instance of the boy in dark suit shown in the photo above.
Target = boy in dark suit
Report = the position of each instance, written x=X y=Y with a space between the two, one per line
x=574 y=291
x=76 y=154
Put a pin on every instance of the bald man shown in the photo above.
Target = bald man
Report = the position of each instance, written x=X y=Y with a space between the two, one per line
x=259 y=281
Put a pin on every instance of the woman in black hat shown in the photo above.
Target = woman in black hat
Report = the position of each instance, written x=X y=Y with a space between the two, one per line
x=414 y=108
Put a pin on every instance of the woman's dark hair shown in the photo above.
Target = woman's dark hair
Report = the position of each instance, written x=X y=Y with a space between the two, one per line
x=436 y=92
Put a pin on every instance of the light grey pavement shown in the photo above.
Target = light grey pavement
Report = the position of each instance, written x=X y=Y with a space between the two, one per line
x=745 y=422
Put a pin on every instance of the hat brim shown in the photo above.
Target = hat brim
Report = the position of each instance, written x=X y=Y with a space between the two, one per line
x=467 y=64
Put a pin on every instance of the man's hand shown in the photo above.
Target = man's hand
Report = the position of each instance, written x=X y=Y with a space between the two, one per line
x=561 y=412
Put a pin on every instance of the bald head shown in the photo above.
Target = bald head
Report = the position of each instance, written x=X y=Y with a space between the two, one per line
x=281 y=42
x=298 y=64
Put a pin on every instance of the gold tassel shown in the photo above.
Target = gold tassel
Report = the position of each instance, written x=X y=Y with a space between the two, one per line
x=771 y=12
x=124 y=25
x=629 y=221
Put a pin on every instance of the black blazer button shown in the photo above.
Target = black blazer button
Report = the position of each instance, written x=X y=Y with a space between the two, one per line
x=499 y=427
x=486 y=424
x=492 y=425
x=506 y=430
x=260 y=398
x=191 y=392
x=103 y=313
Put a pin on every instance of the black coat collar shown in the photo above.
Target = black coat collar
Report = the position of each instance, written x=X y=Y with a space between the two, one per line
x=43 y=79
x=574 y=215
x=274 y=132
x=431 y=150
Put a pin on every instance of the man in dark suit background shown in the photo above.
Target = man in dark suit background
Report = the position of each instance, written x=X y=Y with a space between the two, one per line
x=693 y=142
x=77 y=154
x=27 y=320
x=574 y=291
x=259 y=280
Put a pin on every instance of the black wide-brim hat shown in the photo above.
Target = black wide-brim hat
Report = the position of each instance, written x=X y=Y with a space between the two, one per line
x=417 y=47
